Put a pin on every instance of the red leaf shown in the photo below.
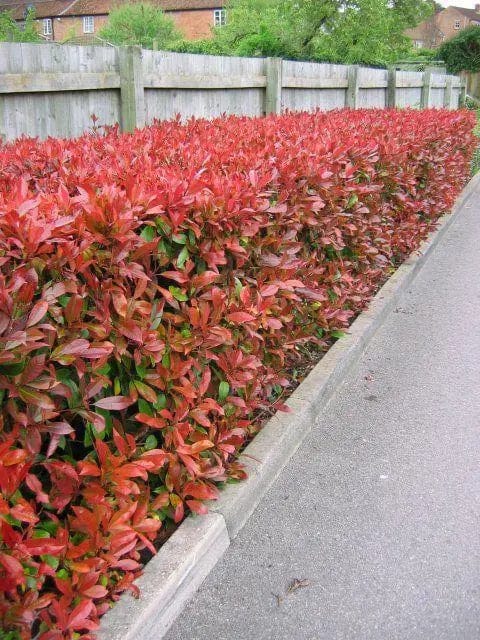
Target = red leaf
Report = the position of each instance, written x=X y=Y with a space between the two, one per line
x=240 y=316
x=37 y=313
x=36 y=399
x=120 y=303
x=12 y=565
x=14 y=457
x=81 y=612
x=44 y=546
x=197 y=507
x=114 y=403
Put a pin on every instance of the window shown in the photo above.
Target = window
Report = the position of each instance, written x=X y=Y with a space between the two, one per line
x=88 y=24
x=418 y=44
x=219 y=17
x=457 y=24
x=47 y=27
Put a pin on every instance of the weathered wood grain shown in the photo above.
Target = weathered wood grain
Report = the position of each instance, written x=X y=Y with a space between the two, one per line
x=53 y=90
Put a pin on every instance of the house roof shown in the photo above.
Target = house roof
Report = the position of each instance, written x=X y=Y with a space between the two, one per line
x=56 y=8
x=471 y=14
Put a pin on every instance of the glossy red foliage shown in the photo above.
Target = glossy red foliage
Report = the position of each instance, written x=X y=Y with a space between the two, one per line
x=156 y=291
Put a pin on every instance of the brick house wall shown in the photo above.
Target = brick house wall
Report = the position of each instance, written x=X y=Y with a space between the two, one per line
x=194 y=18
x=443 y=26
x=66 y=27
x=194 y=25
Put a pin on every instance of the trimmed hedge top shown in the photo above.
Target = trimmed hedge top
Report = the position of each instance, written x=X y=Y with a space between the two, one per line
x=156 y=293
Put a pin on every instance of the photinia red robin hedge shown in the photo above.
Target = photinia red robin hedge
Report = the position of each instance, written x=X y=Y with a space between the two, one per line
x=156 y=293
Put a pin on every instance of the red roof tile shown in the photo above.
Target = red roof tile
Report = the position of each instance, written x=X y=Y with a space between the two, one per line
x=54 y=8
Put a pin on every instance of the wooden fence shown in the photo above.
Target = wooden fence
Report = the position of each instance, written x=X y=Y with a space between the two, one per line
x=53 y=90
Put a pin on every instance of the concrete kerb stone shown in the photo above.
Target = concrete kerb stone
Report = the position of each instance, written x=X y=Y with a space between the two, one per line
x=172 y=577
x=168 y=582
x=264 y=458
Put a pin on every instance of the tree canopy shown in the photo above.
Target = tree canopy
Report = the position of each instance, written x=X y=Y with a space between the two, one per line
x=141 y=23
x=462 y=53
x=11 y=31
x=349 y=31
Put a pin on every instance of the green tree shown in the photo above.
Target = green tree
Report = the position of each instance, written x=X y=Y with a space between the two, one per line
x=368 y=31
x=462 y=53
x=411 y=12
x=11 y=31
x=140 y=23
x=274 y=27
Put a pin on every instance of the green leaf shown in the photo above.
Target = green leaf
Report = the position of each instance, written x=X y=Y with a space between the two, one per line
x=63 y=574
x=162 y=226
x=337 y=334
x=238 y=287
x=223 y=390
x=161 y=403
x=178 y=294
x=50 y=526
x=186 y=331
x=52 y=561
x=141 y=370
x=63 y=300
x=148 y=233
x=166 y=360
x=150 y=443
x=87 y=436
x=179 y=238
x=12 y=368
x=145 y=407
x=352 y=200
x=182 y=258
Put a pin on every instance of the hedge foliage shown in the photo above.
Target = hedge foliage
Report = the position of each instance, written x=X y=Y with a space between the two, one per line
x=462 y=53
x=156 y=292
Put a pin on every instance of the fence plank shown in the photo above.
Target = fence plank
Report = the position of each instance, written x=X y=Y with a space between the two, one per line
x=291 y=82
x=47 y=82
x=154 y=81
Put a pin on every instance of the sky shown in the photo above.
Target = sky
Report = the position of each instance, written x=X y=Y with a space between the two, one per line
x=466 y=4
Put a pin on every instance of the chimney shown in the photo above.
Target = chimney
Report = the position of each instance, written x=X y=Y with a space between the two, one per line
x=477 y=8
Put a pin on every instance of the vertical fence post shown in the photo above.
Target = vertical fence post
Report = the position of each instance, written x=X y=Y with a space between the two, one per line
x=353 y=87
x=273 y=95
x=463 y=92
x=426 y=90
x=392 y=87
x=447 y=97
x=132 y=99
x=3 y=133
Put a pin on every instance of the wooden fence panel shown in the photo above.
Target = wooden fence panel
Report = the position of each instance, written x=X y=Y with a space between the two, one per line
x=53 y=90
x=373 y=85
x=409 y=91
x=299 y=99
x=59 y=113
x=438 y=91
x=205 y=73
